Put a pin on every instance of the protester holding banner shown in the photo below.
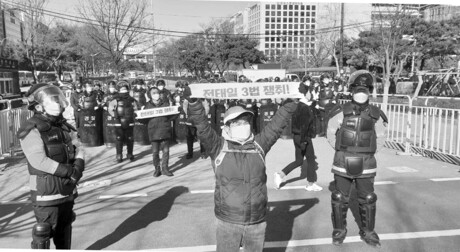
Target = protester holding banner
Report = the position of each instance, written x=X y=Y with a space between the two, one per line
x=165 y=94
x=240 y=206
x=159 y=130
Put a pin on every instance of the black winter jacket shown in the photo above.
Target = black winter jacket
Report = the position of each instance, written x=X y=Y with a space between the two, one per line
x=240 y=194
x=159 y=128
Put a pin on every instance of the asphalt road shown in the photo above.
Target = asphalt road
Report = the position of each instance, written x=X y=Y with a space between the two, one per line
x=123 y=207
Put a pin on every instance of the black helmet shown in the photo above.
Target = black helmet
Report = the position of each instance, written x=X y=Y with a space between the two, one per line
x=361 y=78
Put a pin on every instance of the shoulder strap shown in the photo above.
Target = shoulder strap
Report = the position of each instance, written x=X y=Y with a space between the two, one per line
x=348 y=109
x=220 y=157
x=30 y=124
x=374 y=112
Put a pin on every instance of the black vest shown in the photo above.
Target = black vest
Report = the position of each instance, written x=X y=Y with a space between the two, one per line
x=357 y=132
x=125 y=111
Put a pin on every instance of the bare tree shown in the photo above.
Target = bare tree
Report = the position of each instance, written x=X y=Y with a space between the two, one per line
x=117 y=25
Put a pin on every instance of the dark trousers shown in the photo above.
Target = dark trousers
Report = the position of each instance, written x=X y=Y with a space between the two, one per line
x=162 y=145
x=309 y=153
x=60 y=218
x=124 y=135
x=191 y=135
x=364 y=187
x=76 y=115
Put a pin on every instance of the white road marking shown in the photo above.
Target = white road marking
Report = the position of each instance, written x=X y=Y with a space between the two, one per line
x=402 y=169
x=134 y=195
x=328 y=241
x=384 y=183
x=444 y=179
x=201 y=191
x=91 y=185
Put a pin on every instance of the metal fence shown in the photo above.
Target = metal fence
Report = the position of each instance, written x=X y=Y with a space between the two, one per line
x=10 y=121
x=427 y=131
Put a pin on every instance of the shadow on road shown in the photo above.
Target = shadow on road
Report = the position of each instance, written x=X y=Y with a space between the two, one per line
x=156 y=210
x=280 y=219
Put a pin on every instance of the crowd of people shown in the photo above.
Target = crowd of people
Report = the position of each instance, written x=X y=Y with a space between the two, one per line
x=236 y=134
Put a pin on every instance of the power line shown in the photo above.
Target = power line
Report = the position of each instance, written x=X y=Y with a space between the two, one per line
x=150 y=31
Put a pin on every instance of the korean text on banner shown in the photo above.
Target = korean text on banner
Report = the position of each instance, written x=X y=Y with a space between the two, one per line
x=256 y=90
x=155 y=112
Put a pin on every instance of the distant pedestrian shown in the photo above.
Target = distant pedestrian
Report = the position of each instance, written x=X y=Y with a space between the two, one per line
x=303 y=130
x=238 y=160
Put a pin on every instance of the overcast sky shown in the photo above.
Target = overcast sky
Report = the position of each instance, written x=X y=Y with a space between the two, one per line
x=188 y=15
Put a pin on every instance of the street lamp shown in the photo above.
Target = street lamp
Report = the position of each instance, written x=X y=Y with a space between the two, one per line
x=92 y=58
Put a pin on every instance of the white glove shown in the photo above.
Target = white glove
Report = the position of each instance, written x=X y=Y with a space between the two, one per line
x=317 y=106
x=96 y=108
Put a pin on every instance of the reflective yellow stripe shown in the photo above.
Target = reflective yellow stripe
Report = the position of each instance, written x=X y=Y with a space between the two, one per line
x=343 y=170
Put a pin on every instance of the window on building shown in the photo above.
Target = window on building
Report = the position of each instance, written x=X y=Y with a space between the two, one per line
x=307 y=20
x=313 y=20
x=273 y=26
x=278 y=13
x=278 y=26
x=267 y=6
x=290 y=13
x=290 y=7
x=267 y=26
x=296 y=20
x=301 y=32
x=312 y=26
x=273 y=7
x=267 y=32
x=289 y=45
x=308 y=7
x=284 y=26
x=284 y=13
x=296 y=26
x=266 y=51
x=307 y=26
x=290 y=26
x=278 y=7
x=273 y=20
x=296 y=7
x=290 y=39
x=296 y=14
x=267 y=20
x=302 y=20
x=307 y=39
x=267 y=45
x=296 y=39
x=302 y=14
x=313 y=7
x=278 y=20
x=290 y=20
x=273 y=13
x=267 y=39
x=278 y=45
x=313 y=14
x=302 y=7
x=308 y=14
x=267 y=13
x=284 y=7
x=312 y=39
x=278 y=32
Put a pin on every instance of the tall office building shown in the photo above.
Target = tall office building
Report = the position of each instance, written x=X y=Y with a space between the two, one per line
x=293 y=27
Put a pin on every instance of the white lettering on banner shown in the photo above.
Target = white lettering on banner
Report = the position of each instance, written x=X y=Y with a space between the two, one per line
x=255 y=90
x=155 y=112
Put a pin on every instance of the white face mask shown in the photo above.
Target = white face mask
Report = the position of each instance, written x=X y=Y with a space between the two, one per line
x=360 y=97
x=111 y=90
x=160 y=87
x=307 y=83
x=138 y=86
x=240 y=132
x=51 y=107
x=326 y=81
x=89 y=90
x=155 y=97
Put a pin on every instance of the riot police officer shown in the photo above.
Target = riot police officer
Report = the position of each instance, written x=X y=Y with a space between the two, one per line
x=75 y=103
x=55 y=166
x=139 y=93
x=124 y=126
x=356 y=132
x=325 y=102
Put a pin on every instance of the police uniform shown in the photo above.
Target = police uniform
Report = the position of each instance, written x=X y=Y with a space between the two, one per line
x=356 y=132
x=325 y=103
x=124 y=125
x=54 y=166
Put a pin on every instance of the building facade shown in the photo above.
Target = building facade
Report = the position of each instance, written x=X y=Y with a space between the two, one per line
x=437 y=12
x=293 y=27
x=11 y=23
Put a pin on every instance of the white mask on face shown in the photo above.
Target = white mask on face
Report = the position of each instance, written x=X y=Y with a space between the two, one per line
x=155 y=97
x=138 y=86
x=51 y=107
x=160 y=87
x=240 y=132
x=111 y=90
x=360 y=98
x=89 y=90
x=307 y=83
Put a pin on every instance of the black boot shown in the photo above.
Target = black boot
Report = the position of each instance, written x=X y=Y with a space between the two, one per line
x=367 y=213
x=157 y=172
x=129 y=147
x=119 y=158
x=339 y=217
x=166 y=172
x=130 y=157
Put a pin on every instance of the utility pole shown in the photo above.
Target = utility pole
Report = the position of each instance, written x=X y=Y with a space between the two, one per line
x=342 y=12
x=153 y=41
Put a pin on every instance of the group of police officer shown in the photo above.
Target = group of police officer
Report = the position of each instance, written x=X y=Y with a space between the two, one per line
x=56 y=164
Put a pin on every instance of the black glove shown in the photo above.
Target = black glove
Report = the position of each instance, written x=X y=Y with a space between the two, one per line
x=78 y=168
x=187 y=94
